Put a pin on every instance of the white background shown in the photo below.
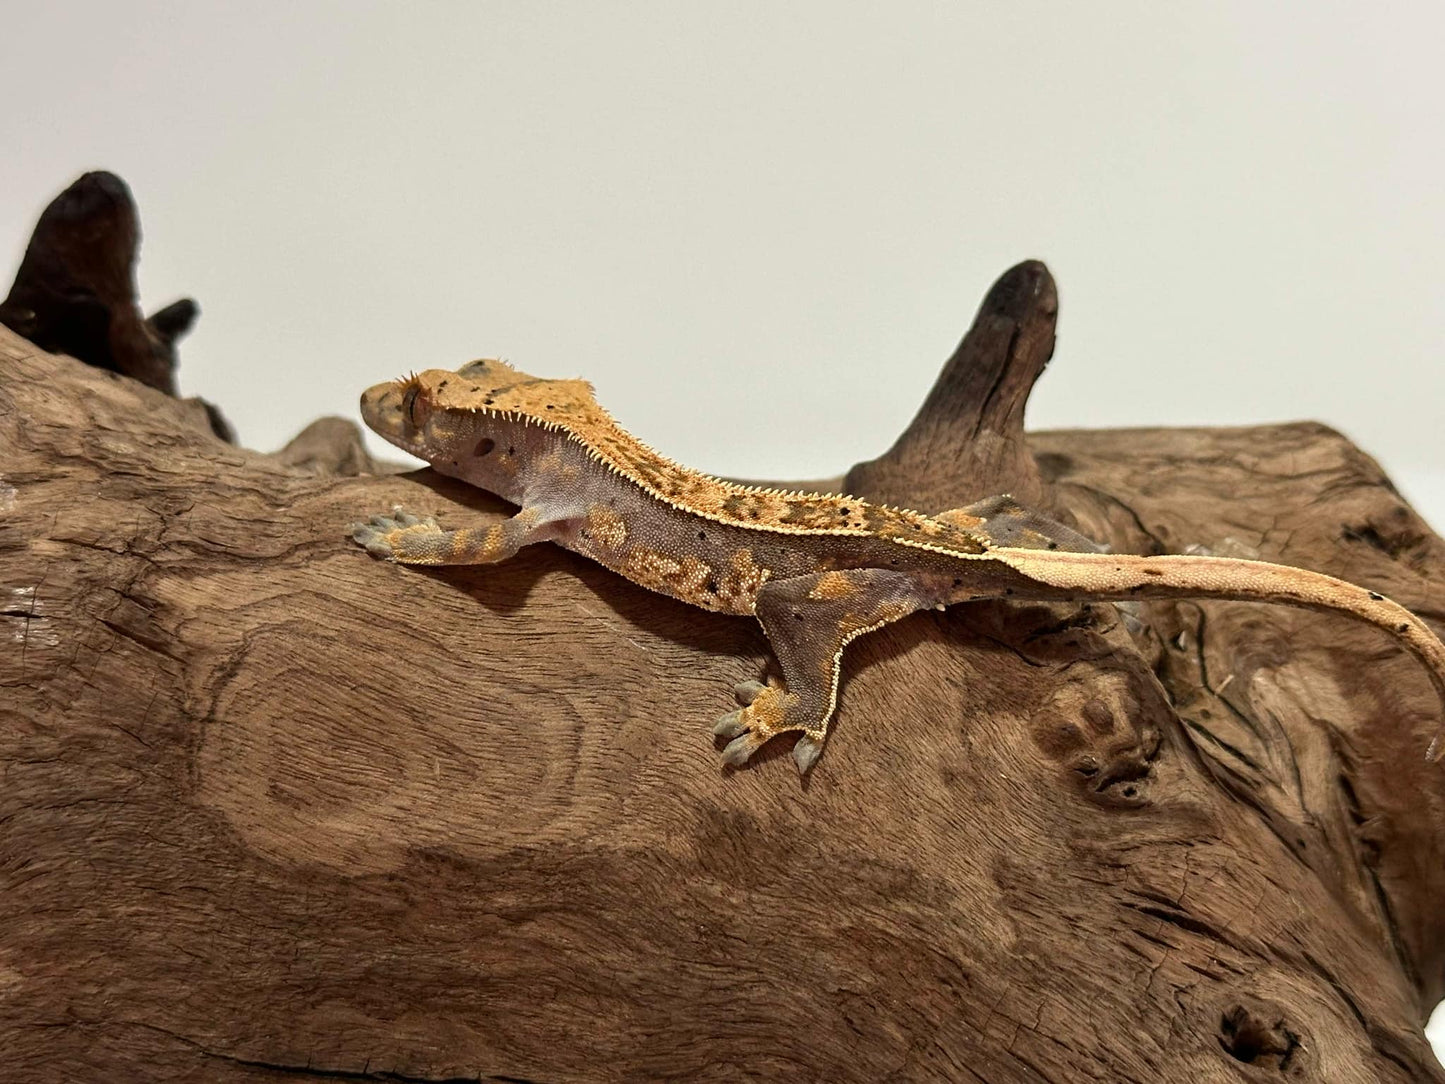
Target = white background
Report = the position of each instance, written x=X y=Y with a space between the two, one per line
x=759 y=230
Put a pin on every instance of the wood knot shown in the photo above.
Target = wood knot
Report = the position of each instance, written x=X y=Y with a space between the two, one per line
x=1104 y=734
x=1259 y=1039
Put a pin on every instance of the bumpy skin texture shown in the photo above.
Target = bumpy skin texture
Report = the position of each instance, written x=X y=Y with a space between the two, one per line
x=816 y=570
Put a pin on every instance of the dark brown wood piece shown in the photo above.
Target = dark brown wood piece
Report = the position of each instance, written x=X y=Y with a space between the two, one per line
x=75 y=292
x=967 y=440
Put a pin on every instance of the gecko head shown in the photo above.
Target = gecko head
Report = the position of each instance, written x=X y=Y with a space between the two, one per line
x=420 y=412
x=448 y=418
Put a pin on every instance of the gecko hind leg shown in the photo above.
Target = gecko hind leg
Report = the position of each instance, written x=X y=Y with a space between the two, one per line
x=409 y=540
x=808 y=620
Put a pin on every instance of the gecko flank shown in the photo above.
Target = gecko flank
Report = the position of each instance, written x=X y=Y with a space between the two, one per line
x=816 y=570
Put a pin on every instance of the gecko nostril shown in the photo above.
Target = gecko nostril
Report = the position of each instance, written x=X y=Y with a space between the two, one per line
x=485 y=446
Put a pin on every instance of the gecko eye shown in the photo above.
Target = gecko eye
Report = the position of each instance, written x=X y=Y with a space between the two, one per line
x=408 y=405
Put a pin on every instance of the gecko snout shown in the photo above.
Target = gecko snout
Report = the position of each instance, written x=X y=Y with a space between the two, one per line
x=381 y=410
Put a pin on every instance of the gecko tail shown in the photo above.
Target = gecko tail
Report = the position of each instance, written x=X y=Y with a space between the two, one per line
x=1064 y=576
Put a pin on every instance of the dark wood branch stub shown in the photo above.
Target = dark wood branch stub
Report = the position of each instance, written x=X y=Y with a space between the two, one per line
x=966 y=442
x=75 y=291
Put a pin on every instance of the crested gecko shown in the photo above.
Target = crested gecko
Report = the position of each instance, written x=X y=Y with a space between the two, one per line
x=817 y=570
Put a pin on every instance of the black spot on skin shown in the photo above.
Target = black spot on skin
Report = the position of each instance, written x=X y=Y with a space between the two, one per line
x=798 y=615
x=1153 y=572
x=484 y=447
x=957 y=583
x=475 y=388
x=702 y=536
x=486 y=402
x=711 y=587
x=1377 y=598
x=1053 y=545
x=442 y=385
x=511 y=450
x=1008 y=590
x=1404 y=628
x=551 y=407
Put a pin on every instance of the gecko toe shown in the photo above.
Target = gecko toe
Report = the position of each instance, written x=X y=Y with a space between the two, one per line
x=747 y=691
x=736 y=753
x=806 y=752
x=370 y=538
x=730 y=725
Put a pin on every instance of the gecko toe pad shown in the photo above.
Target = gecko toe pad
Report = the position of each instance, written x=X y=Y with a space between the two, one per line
x=730 y=725
x=736 y=753
x=747 y=691
x=806 y=751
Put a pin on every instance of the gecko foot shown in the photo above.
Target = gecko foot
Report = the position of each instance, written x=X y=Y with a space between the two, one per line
x=379 y=534
x=763 y=717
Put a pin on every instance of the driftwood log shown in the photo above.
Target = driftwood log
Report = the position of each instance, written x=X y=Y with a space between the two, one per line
x=273 y=810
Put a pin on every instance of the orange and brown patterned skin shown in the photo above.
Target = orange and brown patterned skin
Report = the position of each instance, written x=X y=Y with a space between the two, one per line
x=817 y=570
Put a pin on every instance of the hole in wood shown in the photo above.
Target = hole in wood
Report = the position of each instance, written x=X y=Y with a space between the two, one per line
x=1248 y=1037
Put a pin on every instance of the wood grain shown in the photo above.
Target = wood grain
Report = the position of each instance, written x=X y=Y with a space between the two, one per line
x=272 y=810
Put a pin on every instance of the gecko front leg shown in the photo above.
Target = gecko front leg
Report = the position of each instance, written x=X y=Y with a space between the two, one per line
x=809 y=620
x=408 y=540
